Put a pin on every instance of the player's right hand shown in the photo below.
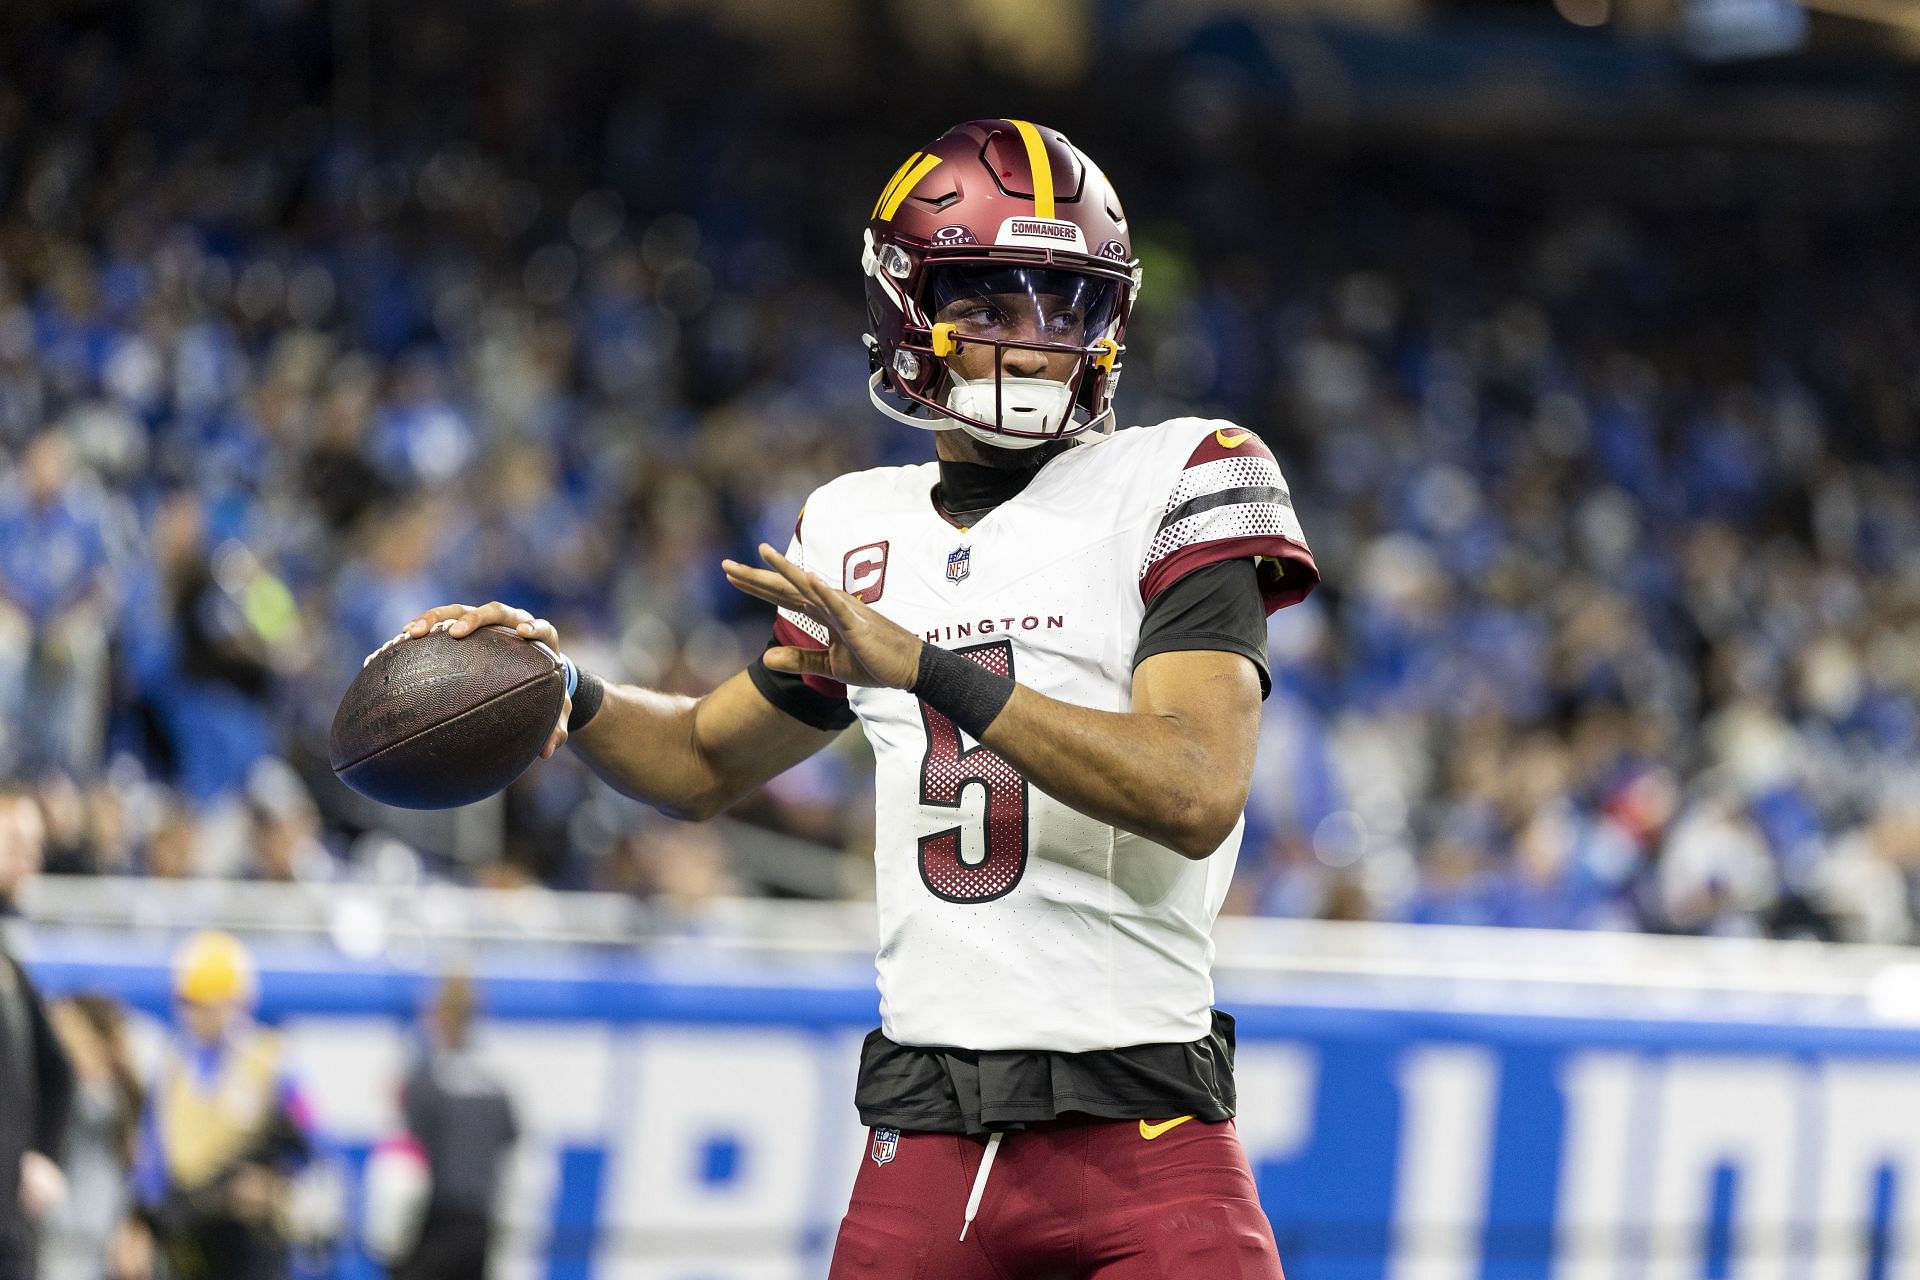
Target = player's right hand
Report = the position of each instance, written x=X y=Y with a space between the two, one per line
x=464 y=619
x=864 y=647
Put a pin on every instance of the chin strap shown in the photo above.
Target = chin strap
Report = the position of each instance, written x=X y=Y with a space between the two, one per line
x=1032 y=404
x=917 y=414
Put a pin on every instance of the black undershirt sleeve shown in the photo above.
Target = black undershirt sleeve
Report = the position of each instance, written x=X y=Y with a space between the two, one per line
x=1217 y=606
x=794 y=696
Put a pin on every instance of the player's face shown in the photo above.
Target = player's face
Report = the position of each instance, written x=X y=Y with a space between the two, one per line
x=1013 y=318
x=1058 y=310
x=207 y=1021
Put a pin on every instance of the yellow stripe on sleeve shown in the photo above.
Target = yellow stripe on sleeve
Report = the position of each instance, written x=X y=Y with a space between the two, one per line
x=1041 y=166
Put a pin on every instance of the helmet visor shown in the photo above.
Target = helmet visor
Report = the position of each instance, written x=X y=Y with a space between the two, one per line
x=1000 y=302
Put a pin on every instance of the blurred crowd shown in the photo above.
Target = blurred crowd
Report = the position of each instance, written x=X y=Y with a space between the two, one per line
x=197 y=1153
x=1613 y=490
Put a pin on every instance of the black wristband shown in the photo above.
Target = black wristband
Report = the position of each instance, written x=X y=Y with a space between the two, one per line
x=964 y=692
x=586 y=701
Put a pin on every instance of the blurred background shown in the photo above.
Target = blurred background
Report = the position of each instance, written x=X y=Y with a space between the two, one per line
x=1585 y=343
x=1585 y=331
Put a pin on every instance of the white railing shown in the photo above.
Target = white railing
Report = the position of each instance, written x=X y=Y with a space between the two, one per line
x=1303 y=961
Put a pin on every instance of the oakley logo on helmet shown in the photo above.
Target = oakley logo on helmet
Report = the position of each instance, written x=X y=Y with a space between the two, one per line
x=1047 y=232
x=954 y=235
x=1115 y=250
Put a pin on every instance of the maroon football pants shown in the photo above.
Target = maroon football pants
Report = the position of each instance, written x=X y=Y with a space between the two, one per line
x=1067 y=1200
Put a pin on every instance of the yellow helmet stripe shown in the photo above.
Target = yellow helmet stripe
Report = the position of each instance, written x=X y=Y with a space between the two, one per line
x=890 y=202
x=1041 y=166
x=893 y=182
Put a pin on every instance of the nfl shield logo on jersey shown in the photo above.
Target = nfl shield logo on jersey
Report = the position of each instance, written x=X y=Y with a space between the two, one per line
x=958 y=562
x=886 y=1144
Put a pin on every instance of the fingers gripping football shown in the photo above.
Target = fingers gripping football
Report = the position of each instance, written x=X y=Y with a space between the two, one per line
x=463 y=619
x=459 y=620
x=863 y=647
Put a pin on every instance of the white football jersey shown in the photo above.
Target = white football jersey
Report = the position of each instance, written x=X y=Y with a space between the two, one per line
x=1007 y=919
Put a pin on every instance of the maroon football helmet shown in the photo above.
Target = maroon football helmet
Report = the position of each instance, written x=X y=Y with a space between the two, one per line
x=1000 y=234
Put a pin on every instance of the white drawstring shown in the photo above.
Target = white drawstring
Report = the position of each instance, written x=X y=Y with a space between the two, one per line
x=979 y=1184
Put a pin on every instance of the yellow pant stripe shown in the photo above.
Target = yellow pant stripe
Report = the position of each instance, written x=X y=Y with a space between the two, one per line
x=1041 y=166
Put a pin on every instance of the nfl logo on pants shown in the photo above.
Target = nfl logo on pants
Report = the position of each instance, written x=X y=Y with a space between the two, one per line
x=957 y=564
x=886 y=1144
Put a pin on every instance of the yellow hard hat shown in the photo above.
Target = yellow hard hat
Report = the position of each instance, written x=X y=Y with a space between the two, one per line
x=214 y=968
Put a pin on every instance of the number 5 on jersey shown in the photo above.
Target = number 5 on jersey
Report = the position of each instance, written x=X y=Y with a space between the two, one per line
x=946 y=772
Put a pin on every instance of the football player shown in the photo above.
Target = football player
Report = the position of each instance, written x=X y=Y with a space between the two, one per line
x=1054 y=637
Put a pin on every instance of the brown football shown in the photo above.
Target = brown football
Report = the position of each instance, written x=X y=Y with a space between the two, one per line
x=438 y=722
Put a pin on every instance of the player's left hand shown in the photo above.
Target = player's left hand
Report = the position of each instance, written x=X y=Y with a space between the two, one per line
x=863 y=648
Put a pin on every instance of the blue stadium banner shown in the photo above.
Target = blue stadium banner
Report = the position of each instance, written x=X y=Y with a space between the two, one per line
x=693 y=1121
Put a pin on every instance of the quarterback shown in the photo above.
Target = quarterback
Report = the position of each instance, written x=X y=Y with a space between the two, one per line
x=1054 y=635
